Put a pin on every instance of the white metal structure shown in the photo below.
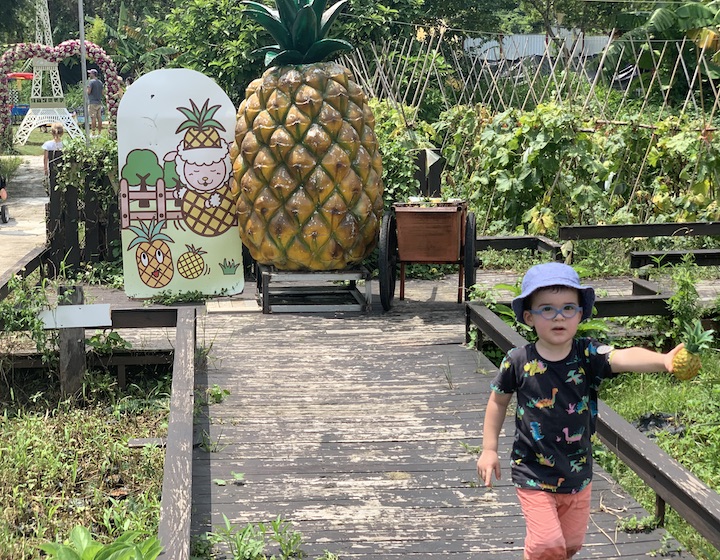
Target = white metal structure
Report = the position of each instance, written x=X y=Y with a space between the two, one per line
x=44 y=109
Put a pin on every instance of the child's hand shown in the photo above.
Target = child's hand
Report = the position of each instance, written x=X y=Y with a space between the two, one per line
x=670 y=355
x=487 y=464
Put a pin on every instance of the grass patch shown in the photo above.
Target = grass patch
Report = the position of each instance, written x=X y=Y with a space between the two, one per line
x=64 y=464
x=695 y=405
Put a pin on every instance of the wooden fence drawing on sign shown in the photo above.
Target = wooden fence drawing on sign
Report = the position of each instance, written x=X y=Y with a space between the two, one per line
x=152 y=203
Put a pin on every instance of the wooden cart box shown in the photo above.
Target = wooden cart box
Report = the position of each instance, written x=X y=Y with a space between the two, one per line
x=430 y=234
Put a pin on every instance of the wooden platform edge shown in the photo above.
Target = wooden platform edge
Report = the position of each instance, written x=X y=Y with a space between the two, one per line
x=176 y=501
x=25 y=266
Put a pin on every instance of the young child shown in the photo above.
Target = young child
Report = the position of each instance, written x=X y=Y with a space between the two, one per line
x=556 y=380
x=52 y=148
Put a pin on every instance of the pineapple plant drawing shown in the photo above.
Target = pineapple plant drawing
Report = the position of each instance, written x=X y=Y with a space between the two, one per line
x=200 y=126
x=686 y=363
x=152 y=256
x=306 y=164
x=202 y=163
x=191 y=265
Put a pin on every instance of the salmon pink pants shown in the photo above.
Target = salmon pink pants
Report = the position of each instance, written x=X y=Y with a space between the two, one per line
x=555 y=523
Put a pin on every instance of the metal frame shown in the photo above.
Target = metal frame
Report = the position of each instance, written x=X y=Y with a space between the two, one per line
x=275 y=284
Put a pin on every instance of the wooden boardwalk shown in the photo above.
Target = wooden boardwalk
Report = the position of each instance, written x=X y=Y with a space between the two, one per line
x=358 y=429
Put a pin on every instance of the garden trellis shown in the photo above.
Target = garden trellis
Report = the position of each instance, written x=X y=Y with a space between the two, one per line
x=633 y=71
x=654 y=88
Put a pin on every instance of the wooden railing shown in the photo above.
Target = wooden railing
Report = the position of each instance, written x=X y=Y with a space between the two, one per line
x=517 y=242
x=642 y=259
x=674 y=485
x=176 y=502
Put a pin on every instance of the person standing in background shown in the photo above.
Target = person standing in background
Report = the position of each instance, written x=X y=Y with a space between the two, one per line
x=52 y=152
x=95 y=92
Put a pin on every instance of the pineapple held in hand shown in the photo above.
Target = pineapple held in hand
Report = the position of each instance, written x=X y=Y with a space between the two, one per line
x=686 y=363
x=306 y=164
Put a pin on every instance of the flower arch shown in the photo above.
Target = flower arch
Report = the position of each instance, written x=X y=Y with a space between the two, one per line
x=23 y=51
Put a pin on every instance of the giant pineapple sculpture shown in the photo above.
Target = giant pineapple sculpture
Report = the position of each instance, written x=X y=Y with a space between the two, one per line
x=306 y=164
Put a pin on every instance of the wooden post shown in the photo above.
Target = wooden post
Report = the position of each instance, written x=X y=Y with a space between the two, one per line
x=71 y=346
x=55 y=223
x=71 y=225
x=92 y=225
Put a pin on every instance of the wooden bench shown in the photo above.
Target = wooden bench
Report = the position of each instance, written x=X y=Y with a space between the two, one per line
x=698 y=504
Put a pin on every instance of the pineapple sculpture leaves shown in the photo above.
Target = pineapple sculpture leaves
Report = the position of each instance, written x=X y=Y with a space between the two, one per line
x=299 y=29
x=307 y=173
x=686 y=363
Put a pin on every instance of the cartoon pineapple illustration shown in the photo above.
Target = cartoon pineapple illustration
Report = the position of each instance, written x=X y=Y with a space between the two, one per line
x=152 y=257
x=686 y=363
x=306 y=164
x=202 y=163
x=201 y=128
x=190 y=265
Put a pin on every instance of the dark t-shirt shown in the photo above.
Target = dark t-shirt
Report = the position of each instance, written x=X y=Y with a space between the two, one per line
x=556 y=414
x=95 y=90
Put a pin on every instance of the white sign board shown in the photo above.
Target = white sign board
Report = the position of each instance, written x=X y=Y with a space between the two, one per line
x=179 y=231
x=74 y=316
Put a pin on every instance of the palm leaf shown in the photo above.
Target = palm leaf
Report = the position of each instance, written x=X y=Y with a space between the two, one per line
x=694 y=16
x=662 y=20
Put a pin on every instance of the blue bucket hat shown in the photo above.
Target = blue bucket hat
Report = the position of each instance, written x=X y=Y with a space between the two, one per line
x=553 y=274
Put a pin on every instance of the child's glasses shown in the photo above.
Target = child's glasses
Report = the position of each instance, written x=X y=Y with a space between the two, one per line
x=549 y=312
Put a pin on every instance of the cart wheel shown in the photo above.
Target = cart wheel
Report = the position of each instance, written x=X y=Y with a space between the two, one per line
x=388 y=259
x=470 y=260
x=4 y=216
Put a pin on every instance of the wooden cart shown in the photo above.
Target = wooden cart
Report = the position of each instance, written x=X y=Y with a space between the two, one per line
x=439 y=233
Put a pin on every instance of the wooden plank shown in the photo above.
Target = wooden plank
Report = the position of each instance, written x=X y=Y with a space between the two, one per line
x=25 y=266
x=493 y=327
x=67 y=316
x=352 y=430
x=70 y=229
x=517 y=242
x=55 y=227
x=91 y=214
x=144 y=318
x=176 y=501
x=617 y=231
x=550 y=246
x=500 y=243
x=643 y=287
x=690 y=497
x=701 y=257
x=632 y=306
x=71 y=346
